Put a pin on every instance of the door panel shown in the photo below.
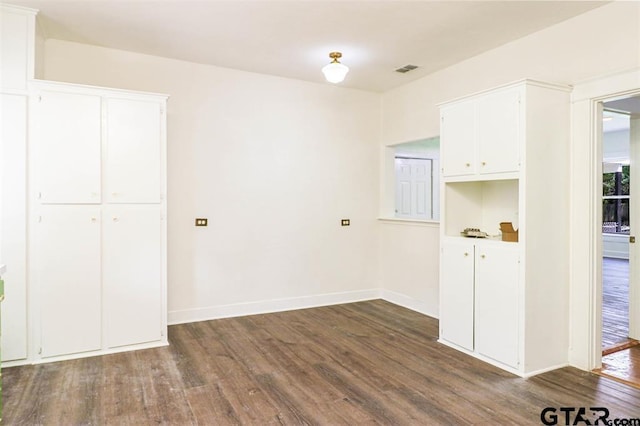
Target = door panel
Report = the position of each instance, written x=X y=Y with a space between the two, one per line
x=68 y=148
x=133 y=160
x=458 y=136
x=499 y=131
x=457 y=293
x=634 y=225
x=68 y=275
x=13 y=224
x=133 y=274
x=497 y=304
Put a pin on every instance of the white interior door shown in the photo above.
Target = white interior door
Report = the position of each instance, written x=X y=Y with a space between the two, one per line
x=634 y=225
x=414 y=188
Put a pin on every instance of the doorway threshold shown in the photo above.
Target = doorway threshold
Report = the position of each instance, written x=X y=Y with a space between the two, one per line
x=620 y=346
x=623 y=364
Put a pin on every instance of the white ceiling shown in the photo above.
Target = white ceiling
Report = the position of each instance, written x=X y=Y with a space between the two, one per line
x=293 y=38
x=617 y=112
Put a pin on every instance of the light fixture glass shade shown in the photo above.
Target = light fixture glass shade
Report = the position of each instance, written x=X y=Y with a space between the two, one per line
x=335 y=72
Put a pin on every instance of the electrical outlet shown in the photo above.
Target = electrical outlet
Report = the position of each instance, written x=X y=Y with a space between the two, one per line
x=345 y=222
x=201 y=221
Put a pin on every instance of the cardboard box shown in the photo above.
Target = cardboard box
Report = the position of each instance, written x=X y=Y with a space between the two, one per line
x=508 y=233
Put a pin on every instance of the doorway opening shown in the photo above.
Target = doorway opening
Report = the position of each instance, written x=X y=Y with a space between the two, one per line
x=620 y=225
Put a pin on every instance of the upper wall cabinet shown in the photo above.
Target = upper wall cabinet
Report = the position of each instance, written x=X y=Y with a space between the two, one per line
x=17 y=35
x=133 y=157
x=67 y=147
x=481 y=136
x=96 y=145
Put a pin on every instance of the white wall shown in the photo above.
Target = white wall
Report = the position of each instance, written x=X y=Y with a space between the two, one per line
x=273 y=163
x=602 y=41
x=263 y=244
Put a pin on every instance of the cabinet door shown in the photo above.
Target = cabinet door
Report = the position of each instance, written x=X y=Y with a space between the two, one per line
x=67 y=147
x=458 y=139
x=13 y=225
x=68 y=279
x=456 y=293
x=499 y=131
x=133 y=274
x=497 y=304
x=134 y=155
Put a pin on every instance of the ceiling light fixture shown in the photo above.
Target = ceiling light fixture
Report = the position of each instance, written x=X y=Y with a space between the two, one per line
x=335 y=72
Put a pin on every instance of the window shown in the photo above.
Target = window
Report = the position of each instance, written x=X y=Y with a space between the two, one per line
x=416 y=179
x=616 y=152
x=615 y=200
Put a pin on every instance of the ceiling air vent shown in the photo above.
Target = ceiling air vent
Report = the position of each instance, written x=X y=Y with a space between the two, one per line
x=406 y=68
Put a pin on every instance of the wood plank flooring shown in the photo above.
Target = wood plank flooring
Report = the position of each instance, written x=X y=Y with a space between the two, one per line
x=615 y=301
x=362 y=363
x=623 y=365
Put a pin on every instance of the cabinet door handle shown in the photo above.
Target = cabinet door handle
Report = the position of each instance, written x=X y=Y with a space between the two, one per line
x=467 y=164
x=484 y=163
x=466 y=254
x=115 y=219
x=93 y=219
x=482 y=256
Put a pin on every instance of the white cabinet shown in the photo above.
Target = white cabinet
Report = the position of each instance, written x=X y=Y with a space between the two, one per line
x=457 y=268
x=479 y=298
x=506 y=302
x=98 y=212
x=13 y=223
x=133 y=151
x=17 y=35
x=483 y=134
x=17 y=46
x=496 y=302
x=67 y=146
x=68 y=275
x=132 y=274
x=458 y=124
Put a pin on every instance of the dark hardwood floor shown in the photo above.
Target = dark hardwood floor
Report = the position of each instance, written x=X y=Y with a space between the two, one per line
x=361 y=363
x=615 y=301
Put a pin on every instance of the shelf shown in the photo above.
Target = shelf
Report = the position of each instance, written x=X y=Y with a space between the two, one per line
x=481 y=204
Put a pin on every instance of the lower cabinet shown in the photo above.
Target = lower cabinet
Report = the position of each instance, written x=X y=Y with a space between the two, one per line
x=69 y=279
x=132 y=274
x=99 y=277
x=479 y=298
x=496 y=303
x=457 y=268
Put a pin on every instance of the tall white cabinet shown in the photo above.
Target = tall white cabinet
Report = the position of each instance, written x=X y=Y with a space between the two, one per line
x=17 y=51
x=83 y=210
x=504 y=157
x=98 y=263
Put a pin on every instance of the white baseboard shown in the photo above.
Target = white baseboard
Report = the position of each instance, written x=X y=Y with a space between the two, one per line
x=407 y=302
x=269 y=306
